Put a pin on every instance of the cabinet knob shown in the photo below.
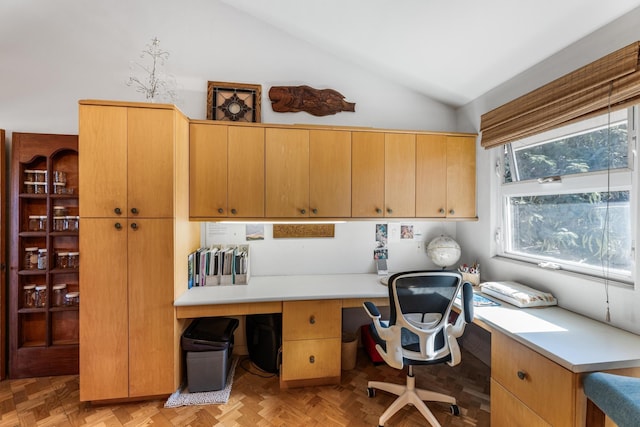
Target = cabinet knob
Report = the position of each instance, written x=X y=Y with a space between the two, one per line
x=389 y=210
x=312 y=320
x=312 y=359
x=452 y=212
x=315 y=211
x=233 y=211
x=378 y=210
x=303 y=211
x=220 y=210
x=118 y=226
x=441 y=211
x=118 y=211
x=522 y=375
x=134 y=226
x=134 y=211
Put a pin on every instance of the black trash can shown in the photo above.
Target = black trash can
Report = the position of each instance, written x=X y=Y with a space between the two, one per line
x=208 y=346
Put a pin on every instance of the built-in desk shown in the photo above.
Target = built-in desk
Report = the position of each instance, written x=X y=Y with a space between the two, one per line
x=537 y=354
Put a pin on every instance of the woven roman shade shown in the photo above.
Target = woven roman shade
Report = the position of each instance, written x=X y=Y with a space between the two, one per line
x=610 y=82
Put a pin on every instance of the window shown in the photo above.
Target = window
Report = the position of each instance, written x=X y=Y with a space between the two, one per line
x=568 y=197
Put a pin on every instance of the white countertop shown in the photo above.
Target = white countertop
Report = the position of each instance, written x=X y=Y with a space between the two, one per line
x=575 y=342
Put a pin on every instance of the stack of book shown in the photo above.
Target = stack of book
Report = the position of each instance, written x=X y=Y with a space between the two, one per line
x=219 y=265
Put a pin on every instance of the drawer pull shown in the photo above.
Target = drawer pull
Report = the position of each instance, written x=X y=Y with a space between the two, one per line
x=522 y=375
x=312 y=320
x=312 y=359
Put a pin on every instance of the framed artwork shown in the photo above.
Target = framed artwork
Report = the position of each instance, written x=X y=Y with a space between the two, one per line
x=236 y=102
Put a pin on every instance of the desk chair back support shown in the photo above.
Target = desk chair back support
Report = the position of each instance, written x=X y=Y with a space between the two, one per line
x=419 y=332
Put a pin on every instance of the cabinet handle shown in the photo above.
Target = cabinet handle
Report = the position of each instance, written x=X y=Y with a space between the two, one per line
x=312 y=359
x=452 y=212
x=312 y=319
x=134 y=211
x=118 y=211
x=378 y=210
x=134 y=226
x=314 y=210
x=303 y=211
x=233 y=211
x=118 y=226
x=220 y=210
x=441 y=211
x=522 y=375
x=389 y=210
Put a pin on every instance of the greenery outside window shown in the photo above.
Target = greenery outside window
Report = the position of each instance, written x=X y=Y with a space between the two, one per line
x=568 y=197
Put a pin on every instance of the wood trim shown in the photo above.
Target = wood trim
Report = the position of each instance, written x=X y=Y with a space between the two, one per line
x=239 y=309
x=3 y=258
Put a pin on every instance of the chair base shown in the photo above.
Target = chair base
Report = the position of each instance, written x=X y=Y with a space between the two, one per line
x=410 y=395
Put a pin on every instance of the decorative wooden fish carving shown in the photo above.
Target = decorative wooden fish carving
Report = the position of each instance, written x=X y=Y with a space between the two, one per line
x=319 y=102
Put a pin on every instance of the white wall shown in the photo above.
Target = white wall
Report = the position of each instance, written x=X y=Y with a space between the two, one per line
x=573 y=292
x=55 y=53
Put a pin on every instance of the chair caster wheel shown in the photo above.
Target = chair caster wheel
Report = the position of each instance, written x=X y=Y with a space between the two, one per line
x=455 y=410
x=371 y=392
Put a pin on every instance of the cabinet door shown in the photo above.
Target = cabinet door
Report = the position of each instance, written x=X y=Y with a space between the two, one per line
x=151 y=312
x=104 y=348
x=367 y=174
x=461 y=177
x=431 y=175
x=507 y=410
x=150 y=153
x=246 y=172
x=400 y=175
x=287 y=172
x=207 y=171
x=102 y=167
x=330 y=173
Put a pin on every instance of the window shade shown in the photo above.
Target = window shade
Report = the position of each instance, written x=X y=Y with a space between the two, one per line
x=610 y=82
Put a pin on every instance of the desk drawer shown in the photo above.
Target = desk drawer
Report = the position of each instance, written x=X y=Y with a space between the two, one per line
x=311 y=319
x=309 y=359
x=544 y=386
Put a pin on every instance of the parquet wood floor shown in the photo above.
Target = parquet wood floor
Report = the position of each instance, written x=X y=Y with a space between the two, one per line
x=256 y=400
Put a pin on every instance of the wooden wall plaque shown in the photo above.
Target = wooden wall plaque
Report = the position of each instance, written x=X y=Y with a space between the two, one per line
x=289 y=231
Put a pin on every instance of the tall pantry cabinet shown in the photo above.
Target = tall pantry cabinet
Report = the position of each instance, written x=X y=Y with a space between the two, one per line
x=135 y=237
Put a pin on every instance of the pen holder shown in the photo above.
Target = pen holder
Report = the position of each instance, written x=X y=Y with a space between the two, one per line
x=473 y=278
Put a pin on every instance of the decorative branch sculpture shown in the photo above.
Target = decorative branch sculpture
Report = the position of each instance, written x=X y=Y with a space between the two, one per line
x=319 y=102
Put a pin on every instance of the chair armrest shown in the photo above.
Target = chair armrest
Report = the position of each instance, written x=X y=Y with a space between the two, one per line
x=467 y=301
x=371 y=310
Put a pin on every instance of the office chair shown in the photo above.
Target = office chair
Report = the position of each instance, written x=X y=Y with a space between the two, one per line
x=418 y=332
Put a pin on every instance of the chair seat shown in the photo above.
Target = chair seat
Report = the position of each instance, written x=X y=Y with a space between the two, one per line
x=617 y=396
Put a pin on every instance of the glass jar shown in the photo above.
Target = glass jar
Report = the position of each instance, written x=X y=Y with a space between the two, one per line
x=73 y=222
x=41 y=296
x=29 y=295
x=39 y=176
x=30 y=258
x=59 y=223
x=59 y=176
x=72 y=299
x=40 y=187
x=29 y=175
x=59 y=188
x=58 y=294
x=29 y=187
x=74 y=259
x=62 y=260
x=42 y=259
x=43 y=222
x=60 y=211
x=34 y=223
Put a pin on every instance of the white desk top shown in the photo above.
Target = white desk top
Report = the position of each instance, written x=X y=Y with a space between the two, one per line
x=575 y=342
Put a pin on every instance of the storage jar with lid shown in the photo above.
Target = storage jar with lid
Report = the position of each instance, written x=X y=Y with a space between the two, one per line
x=74 y=259
x=59 y=223
x=59 y=176
x=59 y=293
x=72 y=299
x=41 y=296
x=73 y=222
x=59 y=188
x=29 y=175
x=30 y=258
x=62 y=260
x=42 y=259
x=29 y=187
x=40 y=175
x=29 y=294
x=34 y=223
x=40 y=188
x=60 y=211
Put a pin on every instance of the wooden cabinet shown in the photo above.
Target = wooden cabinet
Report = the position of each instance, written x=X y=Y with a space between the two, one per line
x=43 y=331
x=527 y=389
x=311 y=342
x=308 y=173
x=384 y=175
x=226 y=165
x=445 y=176
x=134 y=248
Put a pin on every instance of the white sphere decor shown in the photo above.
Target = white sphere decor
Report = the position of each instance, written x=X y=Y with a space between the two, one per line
x=443 y=251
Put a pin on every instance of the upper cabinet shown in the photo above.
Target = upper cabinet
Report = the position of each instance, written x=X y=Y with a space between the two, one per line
x=256 y=171
x=226 y=167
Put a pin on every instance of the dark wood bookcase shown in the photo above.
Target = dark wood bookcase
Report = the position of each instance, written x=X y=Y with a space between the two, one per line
x=43 y=340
